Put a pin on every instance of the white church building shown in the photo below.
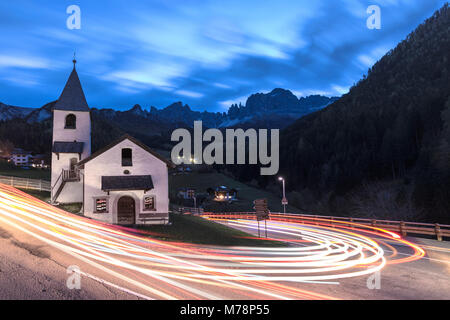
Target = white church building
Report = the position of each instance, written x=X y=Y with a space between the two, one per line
x=123 y=183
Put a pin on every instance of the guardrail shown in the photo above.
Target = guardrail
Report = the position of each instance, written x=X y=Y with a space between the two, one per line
x=26 y=183
x=402 y=227
x=184 y=210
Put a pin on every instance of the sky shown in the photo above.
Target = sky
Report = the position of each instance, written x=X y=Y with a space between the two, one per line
x=208 y=54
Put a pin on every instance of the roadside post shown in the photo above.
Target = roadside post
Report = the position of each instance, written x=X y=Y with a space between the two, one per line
x=284 y=201
x=262 y=212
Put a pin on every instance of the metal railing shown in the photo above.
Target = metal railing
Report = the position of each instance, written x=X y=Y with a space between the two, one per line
x=190 y=210
x=402 y=227
x=64 y=176
x=25 y=183
x=70 y=175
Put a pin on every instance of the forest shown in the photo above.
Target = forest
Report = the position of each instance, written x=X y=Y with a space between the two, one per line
x=383 y=149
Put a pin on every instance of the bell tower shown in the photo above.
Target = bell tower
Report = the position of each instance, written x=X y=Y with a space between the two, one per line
x=71 y=140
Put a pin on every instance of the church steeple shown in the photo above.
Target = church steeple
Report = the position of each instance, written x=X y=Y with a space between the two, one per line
x=72 y=98
x=71 y=138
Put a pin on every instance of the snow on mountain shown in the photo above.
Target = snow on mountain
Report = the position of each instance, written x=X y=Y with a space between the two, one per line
x=275 y=109
x=8 y=112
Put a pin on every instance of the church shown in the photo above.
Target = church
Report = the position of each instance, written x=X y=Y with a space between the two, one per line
x=123 y=183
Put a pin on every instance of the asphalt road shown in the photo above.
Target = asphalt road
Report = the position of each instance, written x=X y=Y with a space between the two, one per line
x=38 y=243
x=406 y=275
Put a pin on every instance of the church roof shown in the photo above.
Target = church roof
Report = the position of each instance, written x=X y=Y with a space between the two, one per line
x=72 y=98
x=67 y=147
x=116 y=183
x=132 y=139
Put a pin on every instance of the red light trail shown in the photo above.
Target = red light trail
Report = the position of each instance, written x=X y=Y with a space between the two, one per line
x=321 y=254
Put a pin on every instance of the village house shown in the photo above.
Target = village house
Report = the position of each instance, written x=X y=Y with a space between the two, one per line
x=123 y=183
x=39 y=161
x=20 y=157
x=186 y=193
x=23 y=158
x=223 y=193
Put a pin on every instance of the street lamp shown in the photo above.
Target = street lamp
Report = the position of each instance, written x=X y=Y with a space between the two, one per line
x=284 y=201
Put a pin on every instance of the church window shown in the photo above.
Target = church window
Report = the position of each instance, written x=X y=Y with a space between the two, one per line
x=127 y=157
x=71 y=122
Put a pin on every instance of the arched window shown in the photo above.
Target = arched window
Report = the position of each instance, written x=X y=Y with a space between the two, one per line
x=71 y=122
x=127 y=157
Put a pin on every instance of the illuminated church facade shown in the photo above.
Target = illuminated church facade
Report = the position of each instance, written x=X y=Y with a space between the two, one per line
x=123 y=183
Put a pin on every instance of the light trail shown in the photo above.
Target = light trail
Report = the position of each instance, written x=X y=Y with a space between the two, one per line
x=167 y=270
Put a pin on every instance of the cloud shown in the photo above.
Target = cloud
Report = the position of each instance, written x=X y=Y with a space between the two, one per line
x=238 y=100
x=190 y=94
x=148 y=74
x=60 y=35
x=221 y=85
x=366 y=60
x=21 y=82
x=339 y=90
x=8 y=61
x=156 y=52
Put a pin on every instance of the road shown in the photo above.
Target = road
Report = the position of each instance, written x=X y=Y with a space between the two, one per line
x=415 y=268
x=38 y=243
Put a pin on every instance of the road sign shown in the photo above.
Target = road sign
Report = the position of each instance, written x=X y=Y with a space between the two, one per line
x=261 y=208
x=260 y=201
x=284 y=201
x=262 y=212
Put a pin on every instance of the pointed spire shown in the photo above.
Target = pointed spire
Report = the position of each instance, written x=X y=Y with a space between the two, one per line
x=72 y=98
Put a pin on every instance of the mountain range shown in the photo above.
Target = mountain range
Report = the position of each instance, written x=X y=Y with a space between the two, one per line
x=279 y=104
x=8 y=112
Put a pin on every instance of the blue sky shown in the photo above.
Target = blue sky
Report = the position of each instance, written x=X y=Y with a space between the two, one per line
x=207 y=54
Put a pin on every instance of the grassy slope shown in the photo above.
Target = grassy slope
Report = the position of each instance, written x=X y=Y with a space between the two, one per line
x=185 y=229
x=42 y=195
x=30 y=174
x=246 y=193
x=7 y=169
x=194 y=229
x=71 y=207
x=45 y=196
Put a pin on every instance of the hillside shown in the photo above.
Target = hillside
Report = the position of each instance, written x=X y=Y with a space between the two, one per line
x=30 y=128
x=383 y=149
x=8 y=112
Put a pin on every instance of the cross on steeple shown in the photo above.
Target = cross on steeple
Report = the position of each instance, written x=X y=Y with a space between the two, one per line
x=74 y=60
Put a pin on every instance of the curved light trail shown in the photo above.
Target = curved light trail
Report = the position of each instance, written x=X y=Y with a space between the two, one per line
x=167 y=270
